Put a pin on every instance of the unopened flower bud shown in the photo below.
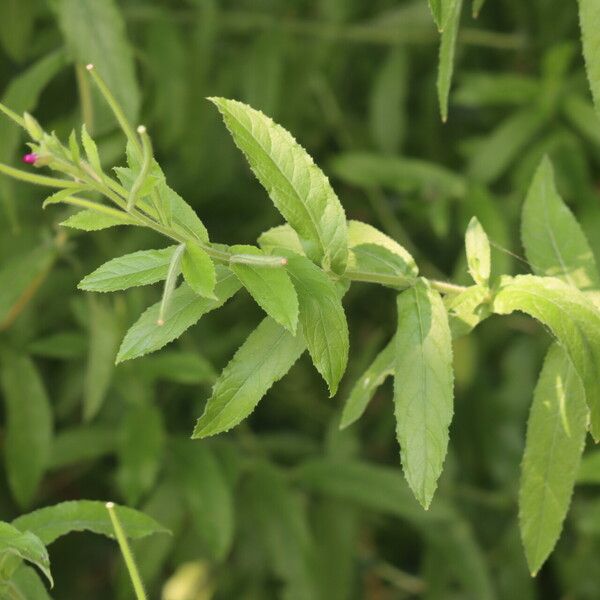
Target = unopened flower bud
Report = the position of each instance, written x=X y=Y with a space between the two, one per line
x=30 y=158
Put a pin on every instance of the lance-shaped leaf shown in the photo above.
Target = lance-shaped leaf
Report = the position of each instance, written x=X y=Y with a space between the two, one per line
x=139 y=268
x=297 y=187
x=90 y=220
x=24 y=545
x=366 y=385
x=423 y=387
x=555 y=439
x=442 y=10
x=198 y=270
x=270 y=286
x=571 y=317
x=589 y=18
x=53 y=522
x=478 y=252
x=264 y=358
x=322 y=318
x=447 y=52
x=28 y=433
x=185 y=308
x=370 y=261
x=554 y=242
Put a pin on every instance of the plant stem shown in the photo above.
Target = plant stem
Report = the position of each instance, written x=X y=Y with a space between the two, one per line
x=85 y=97
x=446 y=288
x=37 y=179
x=134 y=574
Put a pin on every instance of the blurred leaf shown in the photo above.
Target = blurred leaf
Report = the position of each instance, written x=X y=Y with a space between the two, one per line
x=80 y=444
x=139 y=268
x=185 y=309
x=28 y=435
x=265 y=357
x=26 y=546
x=572 y=319
x=366 y=385
x=270 y=287
x=322 y=318
x=63 y=345
x=140 y=448
x=104 y=333
x=423 y=387
x=481 y=89
x=94 y=31
x=297 y=187
x=589 y=470
x=387 y=102
x=16 y=27
x=189 y=368
x=208 y=496
x=53 y=522
x=554 y=242
x=555 y=438
x=589 y=19
x=29 y=585
x=449 y=26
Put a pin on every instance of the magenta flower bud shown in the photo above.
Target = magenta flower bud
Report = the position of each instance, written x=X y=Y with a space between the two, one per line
x=30 y=158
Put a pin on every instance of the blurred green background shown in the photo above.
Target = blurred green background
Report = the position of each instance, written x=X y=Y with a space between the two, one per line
x=285 y=505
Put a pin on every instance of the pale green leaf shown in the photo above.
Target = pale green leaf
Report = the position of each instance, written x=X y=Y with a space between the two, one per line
x=104 y=333
x=366 y=385
x=198 y=270
x=90 y=220
x=53 y=522
x=322 y=318
x=442 y=11
x=589 y=18
x=94 y=31
x=265 y=357
x=554 y=242
x=477 y=246
x=184 y=310
x=423 y=387
x=26 y=546
x=140 y=451
x=208 y=495
x=572 y=319
x=555 y=439
x=297 y=187
x=282 y=237
x=467 y=309
x=372 y=261
x=449 y=25
x=28 y=433
x=139 y=268
x=91 y=150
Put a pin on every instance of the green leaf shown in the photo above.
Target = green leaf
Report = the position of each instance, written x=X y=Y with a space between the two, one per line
x=387 y=110
x=403 y=175
x=28 y=434
x=90 y=220
x=17 y=21
x=589 y=19
x=140 y=449
x=139 y=268
x=554 y=242
x=442 y=11
x=282 y=237
x=53 y=522
x=297 y=187
x=64 y=345
x=373 y=260
x=449 y=27
x=555 y=440
x=198 y=270
x=478 y=253
x=467 y=309
x=91 y=151
x=360 y=233
x=26 y=546
x=94 y=31
x=29 y=584
x=572 y=319
x=208 y=495
x=366 y=385
x=185 y=309
x=322 y=318
x=423 y=387
x=188 y=368
x=104 y=333
x=271 y=287
x=264 y=358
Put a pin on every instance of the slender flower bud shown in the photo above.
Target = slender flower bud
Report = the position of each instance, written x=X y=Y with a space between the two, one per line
x=30 y=158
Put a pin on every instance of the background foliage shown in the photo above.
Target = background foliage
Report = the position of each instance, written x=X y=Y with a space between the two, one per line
x=285 y=505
